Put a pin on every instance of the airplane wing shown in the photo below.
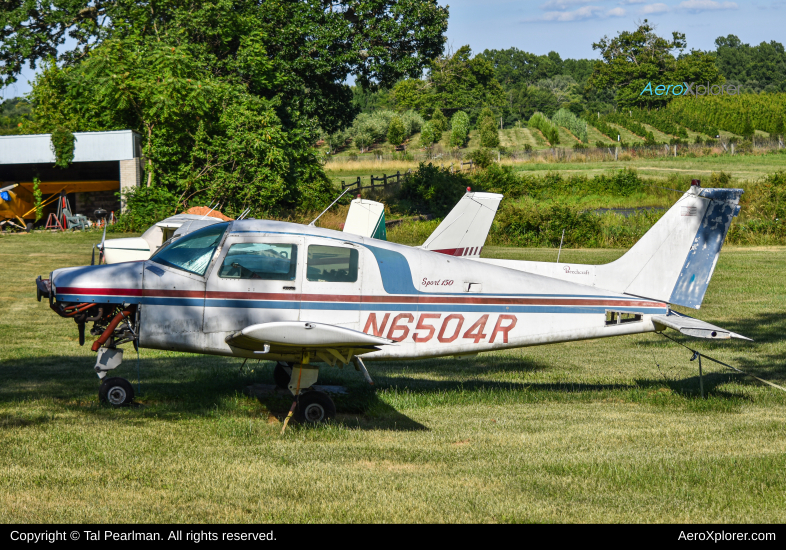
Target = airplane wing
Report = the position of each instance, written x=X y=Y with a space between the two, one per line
x=694 y=327
x=328 y=342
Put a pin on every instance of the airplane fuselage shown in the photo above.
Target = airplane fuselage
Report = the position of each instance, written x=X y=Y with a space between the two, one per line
x=430 y=304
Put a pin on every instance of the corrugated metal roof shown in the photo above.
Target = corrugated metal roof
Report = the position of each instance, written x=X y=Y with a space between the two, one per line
x=89 y=147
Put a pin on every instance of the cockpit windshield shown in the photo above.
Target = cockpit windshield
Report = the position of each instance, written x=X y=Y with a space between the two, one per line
x=194 y=251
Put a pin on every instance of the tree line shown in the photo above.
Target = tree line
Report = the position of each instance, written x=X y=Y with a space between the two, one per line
x=230 y=97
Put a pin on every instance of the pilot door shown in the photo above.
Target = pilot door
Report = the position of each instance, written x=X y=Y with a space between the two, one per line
x=332 y=284
x=254 y=280
x=174 y=289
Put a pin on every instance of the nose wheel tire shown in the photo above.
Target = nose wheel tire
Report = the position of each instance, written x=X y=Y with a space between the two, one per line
x=314 y=407
x=116 y=391
x=281 y=375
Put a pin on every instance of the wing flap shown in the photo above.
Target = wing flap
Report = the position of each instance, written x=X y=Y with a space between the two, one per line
x=695 y=327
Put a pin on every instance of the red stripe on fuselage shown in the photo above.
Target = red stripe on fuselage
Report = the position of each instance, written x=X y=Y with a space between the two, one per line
x=471 y=251
x=611 y=302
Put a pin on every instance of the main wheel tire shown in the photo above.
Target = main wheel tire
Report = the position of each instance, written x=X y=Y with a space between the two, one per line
x=116 y=391
x=314 y=407
x=280 y=375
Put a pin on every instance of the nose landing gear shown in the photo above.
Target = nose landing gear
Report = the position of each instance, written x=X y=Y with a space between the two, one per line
x=116 y=391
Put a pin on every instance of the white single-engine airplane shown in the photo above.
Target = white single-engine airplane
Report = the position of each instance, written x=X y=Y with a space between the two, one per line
x=304 y=296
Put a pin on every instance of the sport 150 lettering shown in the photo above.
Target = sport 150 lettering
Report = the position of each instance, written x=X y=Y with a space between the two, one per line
x=438 y=282
x=447 y=329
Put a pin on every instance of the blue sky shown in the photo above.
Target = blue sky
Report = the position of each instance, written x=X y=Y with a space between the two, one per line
x=569 y=27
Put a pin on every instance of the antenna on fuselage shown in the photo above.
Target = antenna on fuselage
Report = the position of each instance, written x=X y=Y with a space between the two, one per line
x=331 y=206
x=212 y=207
x=244 y=214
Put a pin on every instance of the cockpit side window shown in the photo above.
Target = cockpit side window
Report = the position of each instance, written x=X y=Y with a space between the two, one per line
x=270 y=261
x=332 y=264
x=194 y=251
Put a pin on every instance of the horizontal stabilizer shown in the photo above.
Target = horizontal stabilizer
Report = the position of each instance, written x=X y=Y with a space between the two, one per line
x=302 y=334
x=694 y=327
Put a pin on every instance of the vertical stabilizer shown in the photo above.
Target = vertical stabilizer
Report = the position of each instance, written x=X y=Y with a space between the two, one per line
x=673 y=262
x=464 y=230
x=367 y=219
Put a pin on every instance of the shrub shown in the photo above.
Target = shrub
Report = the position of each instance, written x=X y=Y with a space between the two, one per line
x=431 y=189
x=501 y=179
x=481 y=158
x=144 y=207
x=530 y=225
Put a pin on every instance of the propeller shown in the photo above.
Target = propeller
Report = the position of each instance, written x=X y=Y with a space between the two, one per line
x=100 y=249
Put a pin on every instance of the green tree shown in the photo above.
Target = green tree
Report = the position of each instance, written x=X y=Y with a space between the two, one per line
x=453 y=83
x=439 y=121
x=487 y=126
x=428 y=135
x=313 y=45
x=205 y=137
x=748 y=130
x=631 y=60
x=396 y=131
x=780 y=128
x=459 y=129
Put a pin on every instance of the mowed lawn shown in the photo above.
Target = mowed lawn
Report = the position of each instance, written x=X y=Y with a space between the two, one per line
x=597 y=431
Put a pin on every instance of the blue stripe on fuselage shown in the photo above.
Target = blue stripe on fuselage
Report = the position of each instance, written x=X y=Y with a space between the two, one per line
x=349 y=306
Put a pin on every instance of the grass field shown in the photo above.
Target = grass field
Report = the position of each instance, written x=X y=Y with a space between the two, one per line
x=597 y=431
x=740 y=167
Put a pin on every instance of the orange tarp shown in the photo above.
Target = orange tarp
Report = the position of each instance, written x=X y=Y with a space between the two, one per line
x=203 y=210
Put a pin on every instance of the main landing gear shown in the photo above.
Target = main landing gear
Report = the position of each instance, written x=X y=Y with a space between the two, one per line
x=312 y=406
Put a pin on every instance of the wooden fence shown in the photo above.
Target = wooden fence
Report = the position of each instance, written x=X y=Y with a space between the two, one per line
x=384 y=182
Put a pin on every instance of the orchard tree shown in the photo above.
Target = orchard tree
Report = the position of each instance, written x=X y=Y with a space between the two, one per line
x=487 y=126
x=459 y=129
x=439 y=121
x=428 y=135
x=396 y=131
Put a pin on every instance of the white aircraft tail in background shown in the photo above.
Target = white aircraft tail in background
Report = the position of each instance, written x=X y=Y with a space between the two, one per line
x=464 y=230
x=366 y=218
x=673 y=262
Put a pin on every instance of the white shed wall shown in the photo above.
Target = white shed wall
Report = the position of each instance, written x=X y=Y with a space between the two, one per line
x=89 y=147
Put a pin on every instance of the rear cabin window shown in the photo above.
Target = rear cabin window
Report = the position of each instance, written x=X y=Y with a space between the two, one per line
x=332 y=264
x=275 y=262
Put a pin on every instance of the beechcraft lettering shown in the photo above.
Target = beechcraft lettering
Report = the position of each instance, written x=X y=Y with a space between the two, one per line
x=307 y=297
